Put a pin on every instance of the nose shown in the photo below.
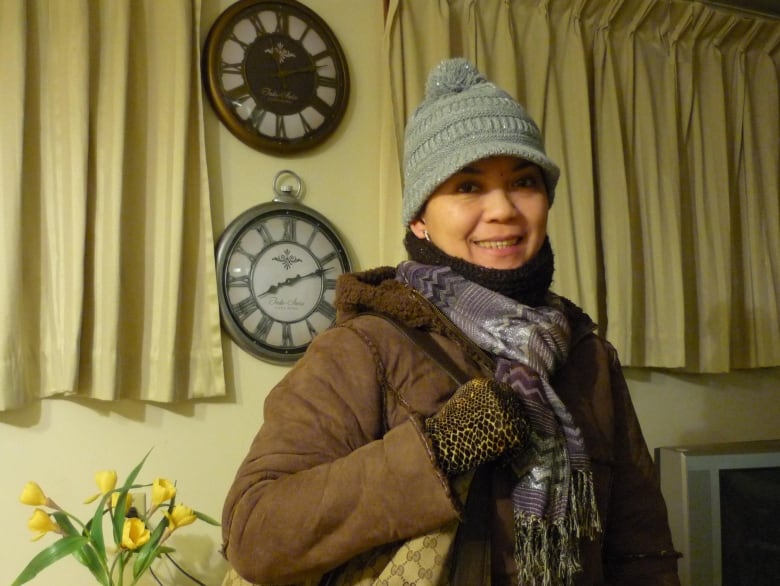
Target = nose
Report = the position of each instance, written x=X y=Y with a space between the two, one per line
x=499 y=205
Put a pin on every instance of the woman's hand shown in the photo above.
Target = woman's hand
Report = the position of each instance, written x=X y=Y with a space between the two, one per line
x=482 y=420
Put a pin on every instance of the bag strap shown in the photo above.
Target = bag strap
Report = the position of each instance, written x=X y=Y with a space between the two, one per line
x=424 y=341
x=472 y=561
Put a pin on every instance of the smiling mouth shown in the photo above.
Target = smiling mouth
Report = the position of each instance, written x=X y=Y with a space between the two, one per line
x=498 y=243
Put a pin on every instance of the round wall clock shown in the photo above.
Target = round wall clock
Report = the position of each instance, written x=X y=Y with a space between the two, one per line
x=277 y=265
x=275 y=74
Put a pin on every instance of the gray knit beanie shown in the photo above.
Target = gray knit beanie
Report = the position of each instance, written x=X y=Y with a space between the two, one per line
x=465 y=118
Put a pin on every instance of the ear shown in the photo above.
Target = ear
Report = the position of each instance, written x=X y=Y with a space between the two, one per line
x=418 y=228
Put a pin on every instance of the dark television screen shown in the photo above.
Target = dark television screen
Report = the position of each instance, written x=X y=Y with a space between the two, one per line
x=750 y=526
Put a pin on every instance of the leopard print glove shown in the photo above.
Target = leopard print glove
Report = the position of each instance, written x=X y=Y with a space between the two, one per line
x=481 y=421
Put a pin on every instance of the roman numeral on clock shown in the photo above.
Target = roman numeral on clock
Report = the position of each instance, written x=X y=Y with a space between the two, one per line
x=326 y=309
x=244 y=308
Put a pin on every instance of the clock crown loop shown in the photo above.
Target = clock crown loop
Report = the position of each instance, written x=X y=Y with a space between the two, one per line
x=285 y=192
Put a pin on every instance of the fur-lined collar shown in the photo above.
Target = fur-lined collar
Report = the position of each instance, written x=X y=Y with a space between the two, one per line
x=377 y=290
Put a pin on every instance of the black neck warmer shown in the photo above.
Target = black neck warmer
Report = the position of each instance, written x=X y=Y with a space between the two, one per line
x=528 y=284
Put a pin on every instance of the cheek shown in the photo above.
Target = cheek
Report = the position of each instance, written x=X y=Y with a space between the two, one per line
x=543 y=221
x=537 y=214
x=459 y=215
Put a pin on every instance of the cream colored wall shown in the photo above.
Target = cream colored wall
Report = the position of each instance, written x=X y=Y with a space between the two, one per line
x=679 y=409
x=62 y=443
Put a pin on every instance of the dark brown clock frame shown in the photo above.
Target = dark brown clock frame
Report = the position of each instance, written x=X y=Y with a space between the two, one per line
x=276 y=75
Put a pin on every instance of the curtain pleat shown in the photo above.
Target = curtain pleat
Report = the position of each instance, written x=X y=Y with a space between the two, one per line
x=13 y=379
x=99 y=350
x=109 y=289
x=665 y=118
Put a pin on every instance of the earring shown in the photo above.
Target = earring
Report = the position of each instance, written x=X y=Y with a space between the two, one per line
x=427 y=236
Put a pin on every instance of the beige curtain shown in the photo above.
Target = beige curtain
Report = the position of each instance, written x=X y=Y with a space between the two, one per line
x=665 y=118
x=107 y=285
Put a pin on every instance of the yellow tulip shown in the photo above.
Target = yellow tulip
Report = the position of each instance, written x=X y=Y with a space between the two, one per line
x=33 y=495
x=179 y=517
x=162 y=490
x=134 y=533
x=106 y=481
x=128 y=500
x=42 y=523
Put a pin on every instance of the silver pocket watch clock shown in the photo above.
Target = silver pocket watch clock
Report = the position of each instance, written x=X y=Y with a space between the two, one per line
x=277 y=266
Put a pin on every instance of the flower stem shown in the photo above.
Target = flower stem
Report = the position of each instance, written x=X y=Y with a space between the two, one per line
x=156 y=579
x=183 y=571
x=121 y=576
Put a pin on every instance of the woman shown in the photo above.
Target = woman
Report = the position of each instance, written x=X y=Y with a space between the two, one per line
x=535 y=456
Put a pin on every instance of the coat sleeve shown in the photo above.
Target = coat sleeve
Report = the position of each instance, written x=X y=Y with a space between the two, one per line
x=638 y=548
x=324 y=479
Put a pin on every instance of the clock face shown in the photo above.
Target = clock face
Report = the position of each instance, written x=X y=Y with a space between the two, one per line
x=277 y=267
x=275 y=74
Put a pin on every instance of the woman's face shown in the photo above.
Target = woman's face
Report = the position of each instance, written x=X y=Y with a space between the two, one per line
x=491 y=213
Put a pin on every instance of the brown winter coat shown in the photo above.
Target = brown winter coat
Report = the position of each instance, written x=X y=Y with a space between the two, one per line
x=340 y=464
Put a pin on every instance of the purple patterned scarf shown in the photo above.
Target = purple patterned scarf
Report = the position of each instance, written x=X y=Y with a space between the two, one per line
x=553 y=497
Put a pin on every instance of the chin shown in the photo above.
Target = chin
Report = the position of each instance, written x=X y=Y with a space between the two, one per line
x=502 y=264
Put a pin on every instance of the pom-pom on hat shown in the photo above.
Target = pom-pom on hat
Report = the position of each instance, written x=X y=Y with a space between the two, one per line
x=464 y=118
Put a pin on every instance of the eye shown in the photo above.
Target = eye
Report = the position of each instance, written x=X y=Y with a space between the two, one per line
x=467 y=187
x=529 y=179
x=526 y=182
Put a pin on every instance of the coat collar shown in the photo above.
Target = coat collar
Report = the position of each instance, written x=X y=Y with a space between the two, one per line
x=377 y=290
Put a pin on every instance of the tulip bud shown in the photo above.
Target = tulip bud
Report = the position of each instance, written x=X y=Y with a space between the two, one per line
x=180 y=516
x=42 y=523
x=106 y=481
x=162 y=490
x=33 y=495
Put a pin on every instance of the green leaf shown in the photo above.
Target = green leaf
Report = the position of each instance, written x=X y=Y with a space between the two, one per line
x=206 y=518
x=87 y=554
x=131 y=478
x=95 y=527
x=149 y=550
x=88 y=557
x=118 y=522
x=56 y=551
x=65 y=523
x=121 y=506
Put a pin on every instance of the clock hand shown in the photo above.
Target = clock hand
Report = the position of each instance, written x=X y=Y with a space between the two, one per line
x=282 y=73
x=292 y=280
x=278 y=62
x=279 y=75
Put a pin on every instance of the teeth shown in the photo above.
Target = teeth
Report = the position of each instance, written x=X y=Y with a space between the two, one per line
x=498 y=243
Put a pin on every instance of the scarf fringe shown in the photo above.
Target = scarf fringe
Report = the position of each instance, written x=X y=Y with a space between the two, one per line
x=547 y=552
